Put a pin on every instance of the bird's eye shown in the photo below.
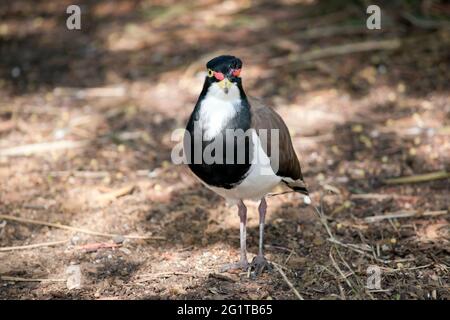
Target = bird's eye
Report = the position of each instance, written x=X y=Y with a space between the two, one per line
x=210 y=73
x=236 y=72
x=219 y=76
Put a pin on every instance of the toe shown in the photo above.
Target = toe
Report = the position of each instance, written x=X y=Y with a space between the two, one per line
x=259 y=264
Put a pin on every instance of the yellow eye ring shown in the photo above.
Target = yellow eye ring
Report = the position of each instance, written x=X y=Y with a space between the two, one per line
x=210 y=73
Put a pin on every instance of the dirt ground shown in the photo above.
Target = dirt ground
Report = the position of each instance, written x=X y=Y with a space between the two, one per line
x=86 y=122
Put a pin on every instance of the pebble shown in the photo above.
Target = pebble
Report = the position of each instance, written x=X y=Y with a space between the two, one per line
x=75 y=240
x=118 y=239
x=74 y=278
x=15 y=72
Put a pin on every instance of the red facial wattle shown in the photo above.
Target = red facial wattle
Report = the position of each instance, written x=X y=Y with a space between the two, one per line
x=219 y=76
x=236 y=72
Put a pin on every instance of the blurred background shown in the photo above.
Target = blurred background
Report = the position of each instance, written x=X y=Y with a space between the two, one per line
x=86 y=118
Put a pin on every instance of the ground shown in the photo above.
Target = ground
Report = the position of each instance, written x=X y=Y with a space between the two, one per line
x=86 y=122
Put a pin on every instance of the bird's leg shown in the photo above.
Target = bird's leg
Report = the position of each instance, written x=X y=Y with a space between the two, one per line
x=262 y=219
x=260 y=263
x=243 y=262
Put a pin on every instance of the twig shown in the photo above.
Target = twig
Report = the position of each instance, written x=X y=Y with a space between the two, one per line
x=391 y=270
x=371 y=196
x=380 y=196
x=29 y=149
x=351 y=246
x=117 y=193
x=404 y=214
x=333 y=239
x=358 y=282
x=32 y=246
x=86 y=231
x=391 y=44
x=419 y=178
x=151 y=276
x=341 y=290
x=35 y=206
x=99 y=92
x=18 y=279
x=91 y=247
x=378 y=290
x=289 y=256
x=329 y=31
x=285 y=278
x=336 y=266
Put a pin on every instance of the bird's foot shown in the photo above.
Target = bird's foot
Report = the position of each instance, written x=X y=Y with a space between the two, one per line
x=259 y=264
x=237 y=266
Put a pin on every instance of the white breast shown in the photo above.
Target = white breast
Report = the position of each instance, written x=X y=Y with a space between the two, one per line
x=217 y=108
x=214 y=115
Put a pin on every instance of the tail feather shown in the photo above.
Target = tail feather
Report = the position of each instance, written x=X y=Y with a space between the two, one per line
x=301 y=190
x=297 y=185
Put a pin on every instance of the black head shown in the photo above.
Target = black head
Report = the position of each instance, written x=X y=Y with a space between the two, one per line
x=224 y=67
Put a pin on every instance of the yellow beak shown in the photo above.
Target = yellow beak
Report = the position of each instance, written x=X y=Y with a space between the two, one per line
x=225 y=84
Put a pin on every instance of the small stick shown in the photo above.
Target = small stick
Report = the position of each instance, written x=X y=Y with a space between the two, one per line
x=29 y=149
x=378 y=290
x=333 y=239
x=86 y=231
x=285 y=278
x=405 y=269
x=380 y=196
x=91 y=247
x=118 y=193
x=358 y=282
x=404 y=214
x=336 y=266
x=98 y=92
x=151 y=276
x=371 y=196
x=332 y=51
x=341 y=290
x=32 y=246
x=18 y=279
x=419 y=178
x=289 y=256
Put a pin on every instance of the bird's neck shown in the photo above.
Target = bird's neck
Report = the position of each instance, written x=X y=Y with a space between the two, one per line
x=218 y=110
x=236 y=93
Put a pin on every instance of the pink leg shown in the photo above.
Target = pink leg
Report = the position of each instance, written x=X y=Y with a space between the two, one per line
x=243 y=262
x=260 y=263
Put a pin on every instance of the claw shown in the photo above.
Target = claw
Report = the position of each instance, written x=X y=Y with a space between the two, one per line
x=259 y=264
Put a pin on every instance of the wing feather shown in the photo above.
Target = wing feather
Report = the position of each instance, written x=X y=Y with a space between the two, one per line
x=287 y=166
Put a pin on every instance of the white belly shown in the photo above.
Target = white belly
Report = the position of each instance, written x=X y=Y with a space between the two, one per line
x=259 y=181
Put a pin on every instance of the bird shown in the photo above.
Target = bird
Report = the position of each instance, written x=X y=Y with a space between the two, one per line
x=241 y=149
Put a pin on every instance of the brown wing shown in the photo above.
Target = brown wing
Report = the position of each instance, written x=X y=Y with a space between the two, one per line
x=287 y=166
